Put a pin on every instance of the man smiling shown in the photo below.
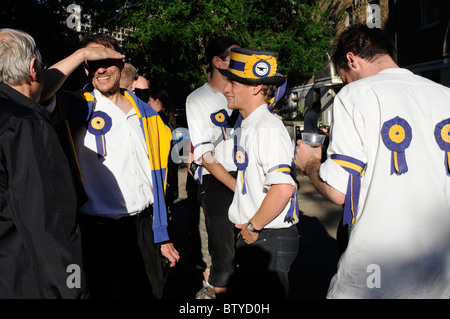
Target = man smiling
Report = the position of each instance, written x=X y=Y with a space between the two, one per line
x=264 y=206
x=121 y=147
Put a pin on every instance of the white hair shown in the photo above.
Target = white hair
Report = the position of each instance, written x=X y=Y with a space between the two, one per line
x=17 y=48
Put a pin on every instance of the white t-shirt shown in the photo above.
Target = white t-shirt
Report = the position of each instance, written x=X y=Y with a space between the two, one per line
x=204 y=133
x=119 y=183
x=399 y=246
x=269 y=151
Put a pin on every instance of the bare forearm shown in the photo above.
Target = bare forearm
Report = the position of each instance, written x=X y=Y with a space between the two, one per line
x=60 y=71
x=312 y=170
x=219 y=172
x=275 y=201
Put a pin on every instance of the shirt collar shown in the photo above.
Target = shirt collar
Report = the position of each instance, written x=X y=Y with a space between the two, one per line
x=396 y=70
x=254 y=116
x=99 y=96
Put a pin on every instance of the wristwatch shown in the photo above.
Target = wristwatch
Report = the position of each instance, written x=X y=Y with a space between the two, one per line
x=252 y=228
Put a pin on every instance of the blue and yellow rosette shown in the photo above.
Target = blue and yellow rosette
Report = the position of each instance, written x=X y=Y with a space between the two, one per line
x=240 y=159
x=356 y=170
x=220 y=119
x=442 y=135
x=99 y=125
x=397 y=135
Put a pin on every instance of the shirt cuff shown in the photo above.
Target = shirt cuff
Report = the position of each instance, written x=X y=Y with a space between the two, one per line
x=278 y=178
x=201 y=149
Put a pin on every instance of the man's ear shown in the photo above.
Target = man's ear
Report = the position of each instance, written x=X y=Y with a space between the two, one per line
x=34 y=70
x=257 y=89
x=352 y=61
x=216 y=61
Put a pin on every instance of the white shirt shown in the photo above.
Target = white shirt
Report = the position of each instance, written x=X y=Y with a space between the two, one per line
x=267 y=143
x=200 y=104
x=119 y=183
x=399 y=246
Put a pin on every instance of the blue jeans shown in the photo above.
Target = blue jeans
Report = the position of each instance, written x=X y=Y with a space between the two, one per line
x=263 y=267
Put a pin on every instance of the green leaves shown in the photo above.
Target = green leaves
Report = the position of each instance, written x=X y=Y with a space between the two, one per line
x=173 y=35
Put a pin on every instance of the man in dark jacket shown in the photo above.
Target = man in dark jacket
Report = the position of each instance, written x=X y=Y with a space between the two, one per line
x=40 y=245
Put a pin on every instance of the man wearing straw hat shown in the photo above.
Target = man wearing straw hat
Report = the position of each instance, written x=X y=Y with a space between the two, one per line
x=264 y=206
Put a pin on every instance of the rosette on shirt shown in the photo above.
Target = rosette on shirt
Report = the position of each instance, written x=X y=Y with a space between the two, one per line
x=240 y=158
x=220 y=119
x=356 y=169
x=100 y=124
x=442 y=135
x=397 y=135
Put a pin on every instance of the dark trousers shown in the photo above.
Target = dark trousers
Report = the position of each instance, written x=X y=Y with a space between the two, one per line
x=263 y=267
x=215 y=199
x=121 y=260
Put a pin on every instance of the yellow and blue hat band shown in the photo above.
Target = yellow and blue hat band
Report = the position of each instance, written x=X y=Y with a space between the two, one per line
x=252 y=66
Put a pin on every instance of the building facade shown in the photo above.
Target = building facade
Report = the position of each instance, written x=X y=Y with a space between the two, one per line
x=326 y=84
x=420 y=30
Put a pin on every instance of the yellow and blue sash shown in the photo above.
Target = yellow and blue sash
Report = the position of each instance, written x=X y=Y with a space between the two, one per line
x=356 y=169
x=292 y=213
x=277 y=95
x=284 y=168
x=158 y=137
x=442 y=135
x=397 y=134
x=77 y=108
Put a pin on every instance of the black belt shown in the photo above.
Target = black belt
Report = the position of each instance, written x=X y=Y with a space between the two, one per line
x=147 y=212
x=232 y=173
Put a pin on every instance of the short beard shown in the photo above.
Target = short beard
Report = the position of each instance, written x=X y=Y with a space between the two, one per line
x=108 y=92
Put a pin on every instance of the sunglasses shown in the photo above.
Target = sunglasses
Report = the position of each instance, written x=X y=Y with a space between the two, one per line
x=143 y=94
x=106 y=63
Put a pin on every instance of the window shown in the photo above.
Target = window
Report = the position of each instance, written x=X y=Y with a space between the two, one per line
x=430 y=13
x=349 y=20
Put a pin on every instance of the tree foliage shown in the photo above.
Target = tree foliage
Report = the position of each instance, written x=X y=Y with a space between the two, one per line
x=46 y=22
x=170 y=36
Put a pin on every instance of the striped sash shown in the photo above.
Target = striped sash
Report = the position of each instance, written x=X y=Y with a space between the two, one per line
x=356 y=169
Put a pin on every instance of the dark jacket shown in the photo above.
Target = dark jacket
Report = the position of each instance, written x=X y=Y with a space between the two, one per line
x=40 y=244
